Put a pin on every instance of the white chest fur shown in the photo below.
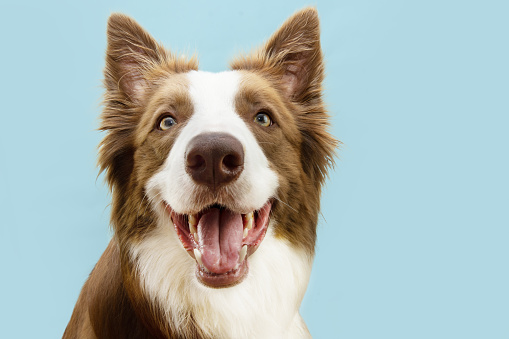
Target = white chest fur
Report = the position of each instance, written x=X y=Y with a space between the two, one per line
x=264 y=305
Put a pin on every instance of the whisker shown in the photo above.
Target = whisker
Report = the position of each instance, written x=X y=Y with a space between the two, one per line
x=281 y=201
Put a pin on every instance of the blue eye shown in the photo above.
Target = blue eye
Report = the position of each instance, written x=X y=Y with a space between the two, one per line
x=166 y=123
x=263 y=119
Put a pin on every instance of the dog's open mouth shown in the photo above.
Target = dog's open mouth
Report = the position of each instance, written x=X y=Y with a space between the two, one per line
x=221 y=240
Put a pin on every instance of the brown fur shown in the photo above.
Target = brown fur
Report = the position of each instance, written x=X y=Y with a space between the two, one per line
x=284 y=76
x=292 y=58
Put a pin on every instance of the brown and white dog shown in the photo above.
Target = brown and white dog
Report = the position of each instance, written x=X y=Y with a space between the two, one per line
x=216 y=181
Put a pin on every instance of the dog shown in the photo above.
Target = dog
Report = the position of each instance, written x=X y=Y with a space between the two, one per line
x=216 y=181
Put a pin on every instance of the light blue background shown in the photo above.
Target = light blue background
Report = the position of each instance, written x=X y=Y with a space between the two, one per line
x=413 y=242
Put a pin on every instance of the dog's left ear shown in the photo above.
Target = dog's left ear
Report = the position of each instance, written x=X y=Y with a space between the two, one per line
x=295 y=47
x=293 y=57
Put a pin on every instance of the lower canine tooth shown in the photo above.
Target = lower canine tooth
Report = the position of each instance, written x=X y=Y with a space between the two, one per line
x=242 y=253
x=197 y=255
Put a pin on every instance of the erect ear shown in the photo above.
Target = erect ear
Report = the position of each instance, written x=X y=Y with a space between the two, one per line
x=130 y=53
x=292 y=58
x=293 y=53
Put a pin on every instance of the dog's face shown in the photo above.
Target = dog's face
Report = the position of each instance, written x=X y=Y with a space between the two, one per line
x=221 y=205
x=204 y=166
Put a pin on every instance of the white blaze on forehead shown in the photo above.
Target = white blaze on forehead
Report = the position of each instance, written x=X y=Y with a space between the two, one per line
x=213 y=98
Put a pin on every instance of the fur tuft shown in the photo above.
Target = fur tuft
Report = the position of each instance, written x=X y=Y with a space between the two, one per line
x=293 y=58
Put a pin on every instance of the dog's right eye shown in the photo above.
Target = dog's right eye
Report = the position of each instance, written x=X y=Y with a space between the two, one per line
x=263 y=119
x=166 y=122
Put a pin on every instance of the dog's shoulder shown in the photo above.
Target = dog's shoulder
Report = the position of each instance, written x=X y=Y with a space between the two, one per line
x=104 y=309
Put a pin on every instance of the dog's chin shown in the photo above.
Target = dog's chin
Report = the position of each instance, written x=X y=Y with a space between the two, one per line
x=228 y=279
x=221 y=240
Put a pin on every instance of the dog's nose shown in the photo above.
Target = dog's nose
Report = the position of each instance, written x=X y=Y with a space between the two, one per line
x=214 y=159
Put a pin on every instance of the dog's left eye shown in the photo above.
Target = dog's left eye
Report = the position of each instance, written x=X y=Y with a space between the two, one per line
x=166 y=123
x=263 y=119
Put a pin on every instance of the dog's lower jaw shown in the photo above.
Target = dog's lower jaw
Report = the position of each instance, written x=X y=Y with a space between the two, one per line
x=264 y=305
x=243 y=234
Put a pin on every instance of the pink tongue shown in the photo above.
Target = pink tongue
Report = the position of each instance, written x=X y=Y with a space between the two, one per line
x=220 y=238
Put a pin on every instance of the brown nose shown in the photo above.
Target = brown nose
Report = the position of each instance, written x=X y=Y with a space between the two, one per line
x=214 y=159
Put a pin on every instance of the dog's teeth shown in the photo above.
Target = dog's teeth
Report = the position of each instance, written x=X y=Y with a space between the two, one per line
x=236 y=266
x=194 y=232
x=245 y=232
x=192 y=220
x=197 y=255
x=192 y=226
x=242 y=253
x=249 y=219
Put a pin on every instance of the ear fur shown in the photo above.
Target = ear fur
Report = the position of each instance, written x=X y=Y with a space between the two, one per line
x=131 y=51
x=134 y=62
x=295 y=47
x=292 y=59
x=293 y=55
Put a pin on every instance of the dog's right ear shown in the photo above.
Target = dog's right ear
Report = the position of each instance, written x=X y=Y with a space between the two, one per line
x=133 y=61
x=130 y=53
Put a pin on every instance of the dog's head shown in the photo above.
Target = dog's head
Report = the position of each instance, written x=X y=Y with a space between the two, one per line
x=215 y=157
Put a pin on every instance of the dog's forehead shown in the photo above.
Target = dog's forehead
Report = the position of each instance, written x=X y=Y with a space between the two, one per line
x=213 y=94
